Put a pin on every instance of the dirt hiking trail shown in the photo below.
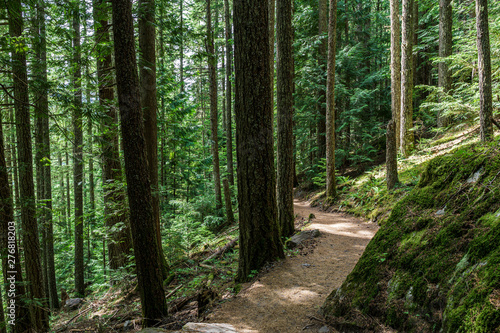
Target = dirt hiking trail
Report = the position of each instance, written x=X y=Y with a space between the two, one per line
x=286 y=299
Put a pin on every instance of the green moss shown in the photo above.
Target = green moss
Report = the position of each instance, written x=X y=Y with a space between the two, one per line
x=434 y=262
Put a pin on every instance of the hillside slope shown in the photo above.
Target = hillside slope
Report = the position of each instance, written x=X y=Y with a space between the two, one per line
x=434 y=264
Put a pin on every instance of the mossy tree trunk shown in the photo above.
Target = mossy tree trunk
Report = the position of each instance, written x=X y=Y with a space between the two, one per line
x=39 y=315
x=484 y=61
x=396 y=68
x=406 y=132
x=259 y=232
x=445 y=49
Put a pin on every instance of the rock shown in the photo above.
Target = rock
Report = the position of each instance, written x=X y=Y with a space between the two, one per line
x=324 y=329
x=73 y=303
x=498 y=214
x=441 y=211
x=302 y=236
x=209 y=328
x=475 y=177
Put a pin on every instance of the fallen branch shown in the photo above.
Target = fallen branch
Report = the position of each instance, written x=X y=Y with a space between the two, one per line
x=173 y=291
x=221 y=251
x=78 y=315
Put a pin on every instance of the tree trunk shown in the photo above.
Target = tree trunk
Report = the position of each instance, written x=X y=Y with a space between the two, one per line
x=285 y=118
x=78 y=153
x=272 y=16
x=229 y=98
x=259 y=232
x=142 y=218
x=68 y=188
x=407 y=137
x=391 y=156
x=322 y=54
x=331 y=190
x=11 y=263
x=46 y=176
x=33 y=267
x=394 y=125
x=147 y=65
x=120 y=241
x=445 y=50
x=484 y=61
x=212 y=63
x=396 y=69
x=3 y=327
x=228 y=203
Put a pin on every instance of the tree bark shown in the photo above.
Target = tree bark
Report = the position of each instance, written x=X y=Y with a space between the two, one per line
x=229 y=97
x=212 y=63
x=322 y=59
x=228 y=203
x=272 y=23
x=407 y=137
x=484 y=62
x=285 y=118
x=78 y=153
x=396 y=69
x=259 y=232
x=393 y=127
x=120 y=241
x=42 y=105
x=147 y=65
x=39 y=316
x=142 y=218
x=7 y=229
x=445 y=50
x=391 y=156
x=331 y=191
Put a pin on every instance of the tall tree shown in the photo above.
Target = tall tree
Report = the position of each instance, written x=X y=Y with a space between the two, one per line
x=396 y=68
x=330 y=102
x=39 y=316
x=142 y=219
x=322 y=58
x=45 y=185
x=285 y=117
x=406 y=134
x=229 y=97
x=393 y=127
x=78 y=151
x=212 y=63
x=259 y=232
x=484 y=61
x=8 y=229
x=120 y=242
x=147 y=66
x=272 y=17
x=445 y=49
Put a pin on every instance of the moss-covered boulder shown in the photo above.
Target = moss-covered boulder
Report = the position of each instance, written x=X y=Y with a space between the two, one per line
x=434 y=265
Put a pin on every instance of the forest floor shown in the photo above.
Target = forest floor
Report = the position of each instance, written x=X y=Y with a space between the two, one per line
x=288 y=296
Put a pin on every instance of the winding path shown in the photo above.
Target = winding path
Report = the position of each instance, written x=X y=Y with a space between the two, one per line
x=284 y=299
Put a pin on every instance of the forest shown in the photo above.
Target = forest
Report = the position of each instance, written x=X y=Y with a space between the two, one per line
x=160 y=161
